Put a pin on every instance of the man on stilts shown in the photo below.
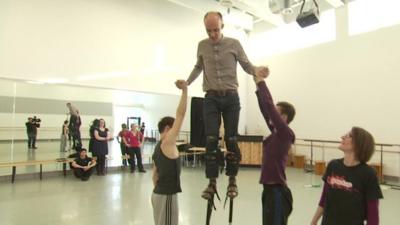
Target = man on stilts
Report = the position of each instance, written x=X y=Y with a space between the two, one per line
x=217 y=58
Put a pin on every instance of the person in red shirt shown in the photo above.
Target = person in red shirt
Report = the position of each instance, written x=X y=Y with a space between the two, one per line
x=133 y=141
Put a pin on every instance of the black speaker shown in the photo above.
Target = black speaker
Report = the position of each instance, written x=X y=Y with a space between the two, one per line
x=197 y=129
x=307 y=19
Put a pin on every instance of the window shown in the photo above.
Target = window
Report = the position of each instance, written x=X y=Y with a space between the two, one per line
x=370 y=15
x=292 y=37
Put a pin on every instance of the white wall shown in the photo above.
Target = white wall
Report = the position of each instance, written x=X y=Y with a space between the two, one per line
x=352 y=81
x=148 y=43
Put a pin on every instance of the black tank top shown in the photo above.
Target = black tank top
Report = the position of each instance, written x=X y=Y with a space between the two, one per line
x=169 y=171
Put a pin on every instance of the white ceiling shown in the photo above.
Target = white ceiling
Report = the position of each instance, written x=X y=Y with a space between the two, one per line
x=259 y=9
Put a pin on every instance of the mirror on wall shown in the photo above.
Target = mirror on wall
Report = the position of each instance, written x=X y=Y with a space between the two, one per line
x=7 y=120
x=46 y=103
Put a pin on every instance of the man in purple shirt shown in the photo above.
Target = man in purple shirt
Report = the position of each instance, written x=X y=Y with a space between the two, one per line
x=276 y=197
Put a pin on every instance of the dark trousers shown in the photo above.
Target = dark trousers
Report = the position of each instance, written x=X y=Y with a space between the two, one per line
x=31 y=140
x=135 y=152
x=277 y=203
x=76 y=140
x=228 y=107
x=123 y=152
x=83 y=175
x=101 y=163
x=69 y=139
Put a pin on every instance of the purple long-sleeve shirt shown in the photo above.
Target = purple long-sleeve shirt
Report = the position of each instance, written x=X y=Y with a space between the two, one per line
x=276 y=146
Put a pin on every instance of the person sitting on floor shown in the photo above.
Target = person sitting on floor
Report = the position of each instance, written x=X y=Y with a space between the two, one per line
x=83 y=165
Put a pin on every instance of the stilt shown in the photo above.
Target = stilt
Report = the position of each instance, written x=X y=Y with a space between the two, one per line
x=210 y=206
x=230 y=210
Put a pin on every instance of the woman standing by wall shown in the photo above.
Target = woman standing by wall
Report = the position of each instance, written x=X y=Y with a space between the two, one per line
x=64 y=136
x=93 y=126
x=100 y=146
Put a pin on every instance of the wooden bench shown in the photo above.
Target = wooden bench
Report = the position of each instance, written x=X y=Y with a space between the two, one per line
x=14 y=165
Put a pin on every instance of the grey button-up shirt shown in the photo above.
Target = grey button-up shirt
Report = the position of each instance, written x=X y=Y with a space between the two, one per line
x=219 y=62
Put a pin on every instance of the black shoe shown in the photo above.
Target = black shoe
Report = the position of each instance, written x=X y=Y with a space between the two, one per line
x=34 y=147
x=132 y=171
x=142 y=171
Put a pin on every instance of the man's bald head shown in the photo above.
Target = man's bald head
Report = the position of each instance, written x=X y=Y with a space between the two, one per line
x=213 y=14
x=213 y=23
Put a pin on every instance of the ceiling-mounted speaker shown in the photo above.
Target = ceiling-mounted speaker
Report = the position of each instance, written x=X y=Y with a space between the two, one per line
x=310 y=17
x=306 y=19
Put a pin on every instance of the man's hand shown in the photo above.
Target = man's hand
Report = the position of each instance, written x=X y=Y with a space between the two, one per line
x=261 y=71
x=181 y=84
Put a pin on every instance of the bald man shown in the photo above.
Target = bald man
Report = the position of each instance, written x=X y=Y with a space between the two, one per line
x=217 y=58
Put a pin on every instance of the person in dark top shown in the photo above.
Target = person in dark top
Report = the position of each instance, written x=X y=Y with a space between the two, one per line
x=83 y=165
x=276 y=196
x=351 y=190
x=167 y=167
x=93 y=127
x=100 y=146
x=121 y=142
x=31 y=129
x=142 y=129
x=74 y=127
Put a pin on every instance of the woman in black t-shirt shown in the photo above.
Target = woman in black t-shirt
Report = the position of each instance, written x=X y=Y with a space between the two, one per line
x=351 y=191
